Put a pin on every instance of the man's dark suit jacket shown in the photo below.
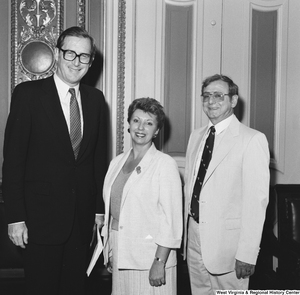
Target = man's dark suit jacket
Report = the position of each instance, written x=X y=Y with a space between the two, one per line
x=43 y=184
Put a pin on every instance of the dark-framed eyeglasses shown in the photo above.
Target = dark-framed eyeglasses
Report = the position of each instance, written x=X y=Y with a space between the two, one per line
x=70 y=55
x=217 y=96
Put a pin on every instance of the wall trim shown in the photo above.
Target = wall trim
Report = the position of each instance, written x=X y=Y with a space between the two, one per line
x=121 y=76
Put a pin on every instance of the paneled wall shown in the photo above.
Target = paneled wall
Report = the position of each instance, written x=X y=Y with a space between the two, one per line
x=165 y=48
x=178 y=71
x=172 y=45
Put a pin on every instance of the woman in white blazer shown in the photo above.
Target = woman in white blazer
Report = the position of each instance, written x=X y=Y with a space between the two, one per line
x=143 y=204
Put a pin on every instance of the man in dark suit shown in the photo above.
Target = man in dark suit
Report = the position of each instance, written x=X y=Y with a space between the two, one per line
x=52 y=185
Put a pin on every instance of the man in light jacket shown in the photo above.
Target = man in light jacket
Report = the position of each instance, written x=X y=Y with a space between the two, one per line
x=222 y=242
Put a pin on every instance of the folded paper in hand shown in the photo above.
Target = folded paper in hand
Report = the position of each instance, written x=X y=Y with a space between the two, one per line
x=97 y=251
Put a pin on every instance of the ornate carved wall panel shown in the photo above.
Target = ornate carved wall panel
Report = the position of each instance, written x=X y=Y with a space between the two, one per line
x=35 y=26
x=81 y=16
x=121 y=75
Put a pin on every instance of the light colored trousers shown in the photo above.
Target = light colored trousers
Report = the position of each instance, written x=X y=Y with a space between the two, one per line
x=203 y=282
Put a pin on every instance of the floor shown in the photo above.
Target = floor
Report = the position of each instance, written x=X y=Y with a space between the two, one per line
x=98 y=283
x=95 y=285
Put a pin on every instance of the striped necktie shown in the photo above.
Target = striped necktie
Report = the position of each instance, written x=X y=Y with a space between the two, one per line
x=75 y=123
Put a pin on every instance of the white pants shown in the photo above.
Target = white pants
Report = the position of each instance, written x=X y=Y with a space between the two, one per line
x=203 y=282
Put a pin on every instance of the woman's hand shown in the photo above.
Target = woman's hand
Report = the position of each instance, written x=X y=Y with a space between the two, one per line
x=157 y=274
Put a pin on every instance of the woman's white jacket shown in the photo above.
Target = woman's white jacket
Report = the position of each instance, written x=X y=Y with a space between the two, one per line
x=151 y=210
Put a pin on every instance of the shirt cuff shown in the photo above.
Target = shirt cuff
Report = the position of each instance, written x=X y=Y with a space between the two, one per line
x=16 y=223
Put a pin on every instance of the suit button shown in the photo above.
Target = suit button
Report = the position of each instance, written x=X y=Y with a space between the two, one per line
x=73 y=191
x=121 y=227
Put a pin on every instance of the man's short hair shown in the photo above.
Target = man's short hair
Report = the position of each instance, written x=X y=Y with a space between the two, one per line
x=233 y=88
x=76 y=32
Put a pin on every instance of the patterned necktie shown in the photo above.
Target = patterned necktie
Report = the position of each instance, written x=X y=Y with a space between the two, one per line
x=206 y=157
x=75 y=123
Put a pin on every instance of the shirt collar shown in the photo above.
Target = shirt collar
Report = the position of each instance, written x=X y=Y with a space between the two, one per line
x=221 y=126
x=63 y=88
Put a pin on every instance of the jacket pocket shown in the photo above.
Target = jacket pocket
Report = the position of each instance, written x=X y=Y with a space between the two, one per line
x=233 y=223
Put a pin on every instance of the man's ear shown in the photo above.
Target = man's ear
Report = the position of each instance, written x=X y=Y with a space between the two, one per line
x=91 y=62
x=234 y=100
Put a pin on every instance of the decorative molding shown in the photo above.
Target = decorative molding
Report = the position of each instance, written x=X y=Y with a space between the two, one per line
x=180 y=2
x=34 y=30
x=121 y=75
x=278 y=161
x=178 y=66
x=281 y=7
x=81 y=14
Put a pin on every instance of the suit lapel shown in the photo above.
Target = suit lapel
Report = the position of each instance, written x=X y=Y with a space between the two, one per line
x=144 y=164
x=50 y=101
x=195 y=151
x=229 y=139
x=87 y=120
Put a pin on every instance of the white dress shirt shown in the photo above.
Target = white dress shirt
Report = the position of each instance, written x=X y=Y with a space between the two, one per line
x=220 y=127
x=65 y=96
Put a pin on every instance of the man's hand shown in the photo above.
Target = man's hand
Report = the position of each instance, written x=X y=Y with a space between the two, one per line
x=99 y=220
x=109 y=266
x=243 y=269
x=18 y=234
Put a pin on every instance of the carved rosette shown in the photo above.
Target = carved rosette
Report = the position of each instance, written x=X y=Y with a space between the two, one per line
x=121 y=76
x=35 y=28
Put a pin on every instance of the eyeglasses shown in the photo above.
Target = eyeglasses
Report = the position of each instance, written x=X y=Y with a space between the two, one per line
x=217 y=96
x=70 y=55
